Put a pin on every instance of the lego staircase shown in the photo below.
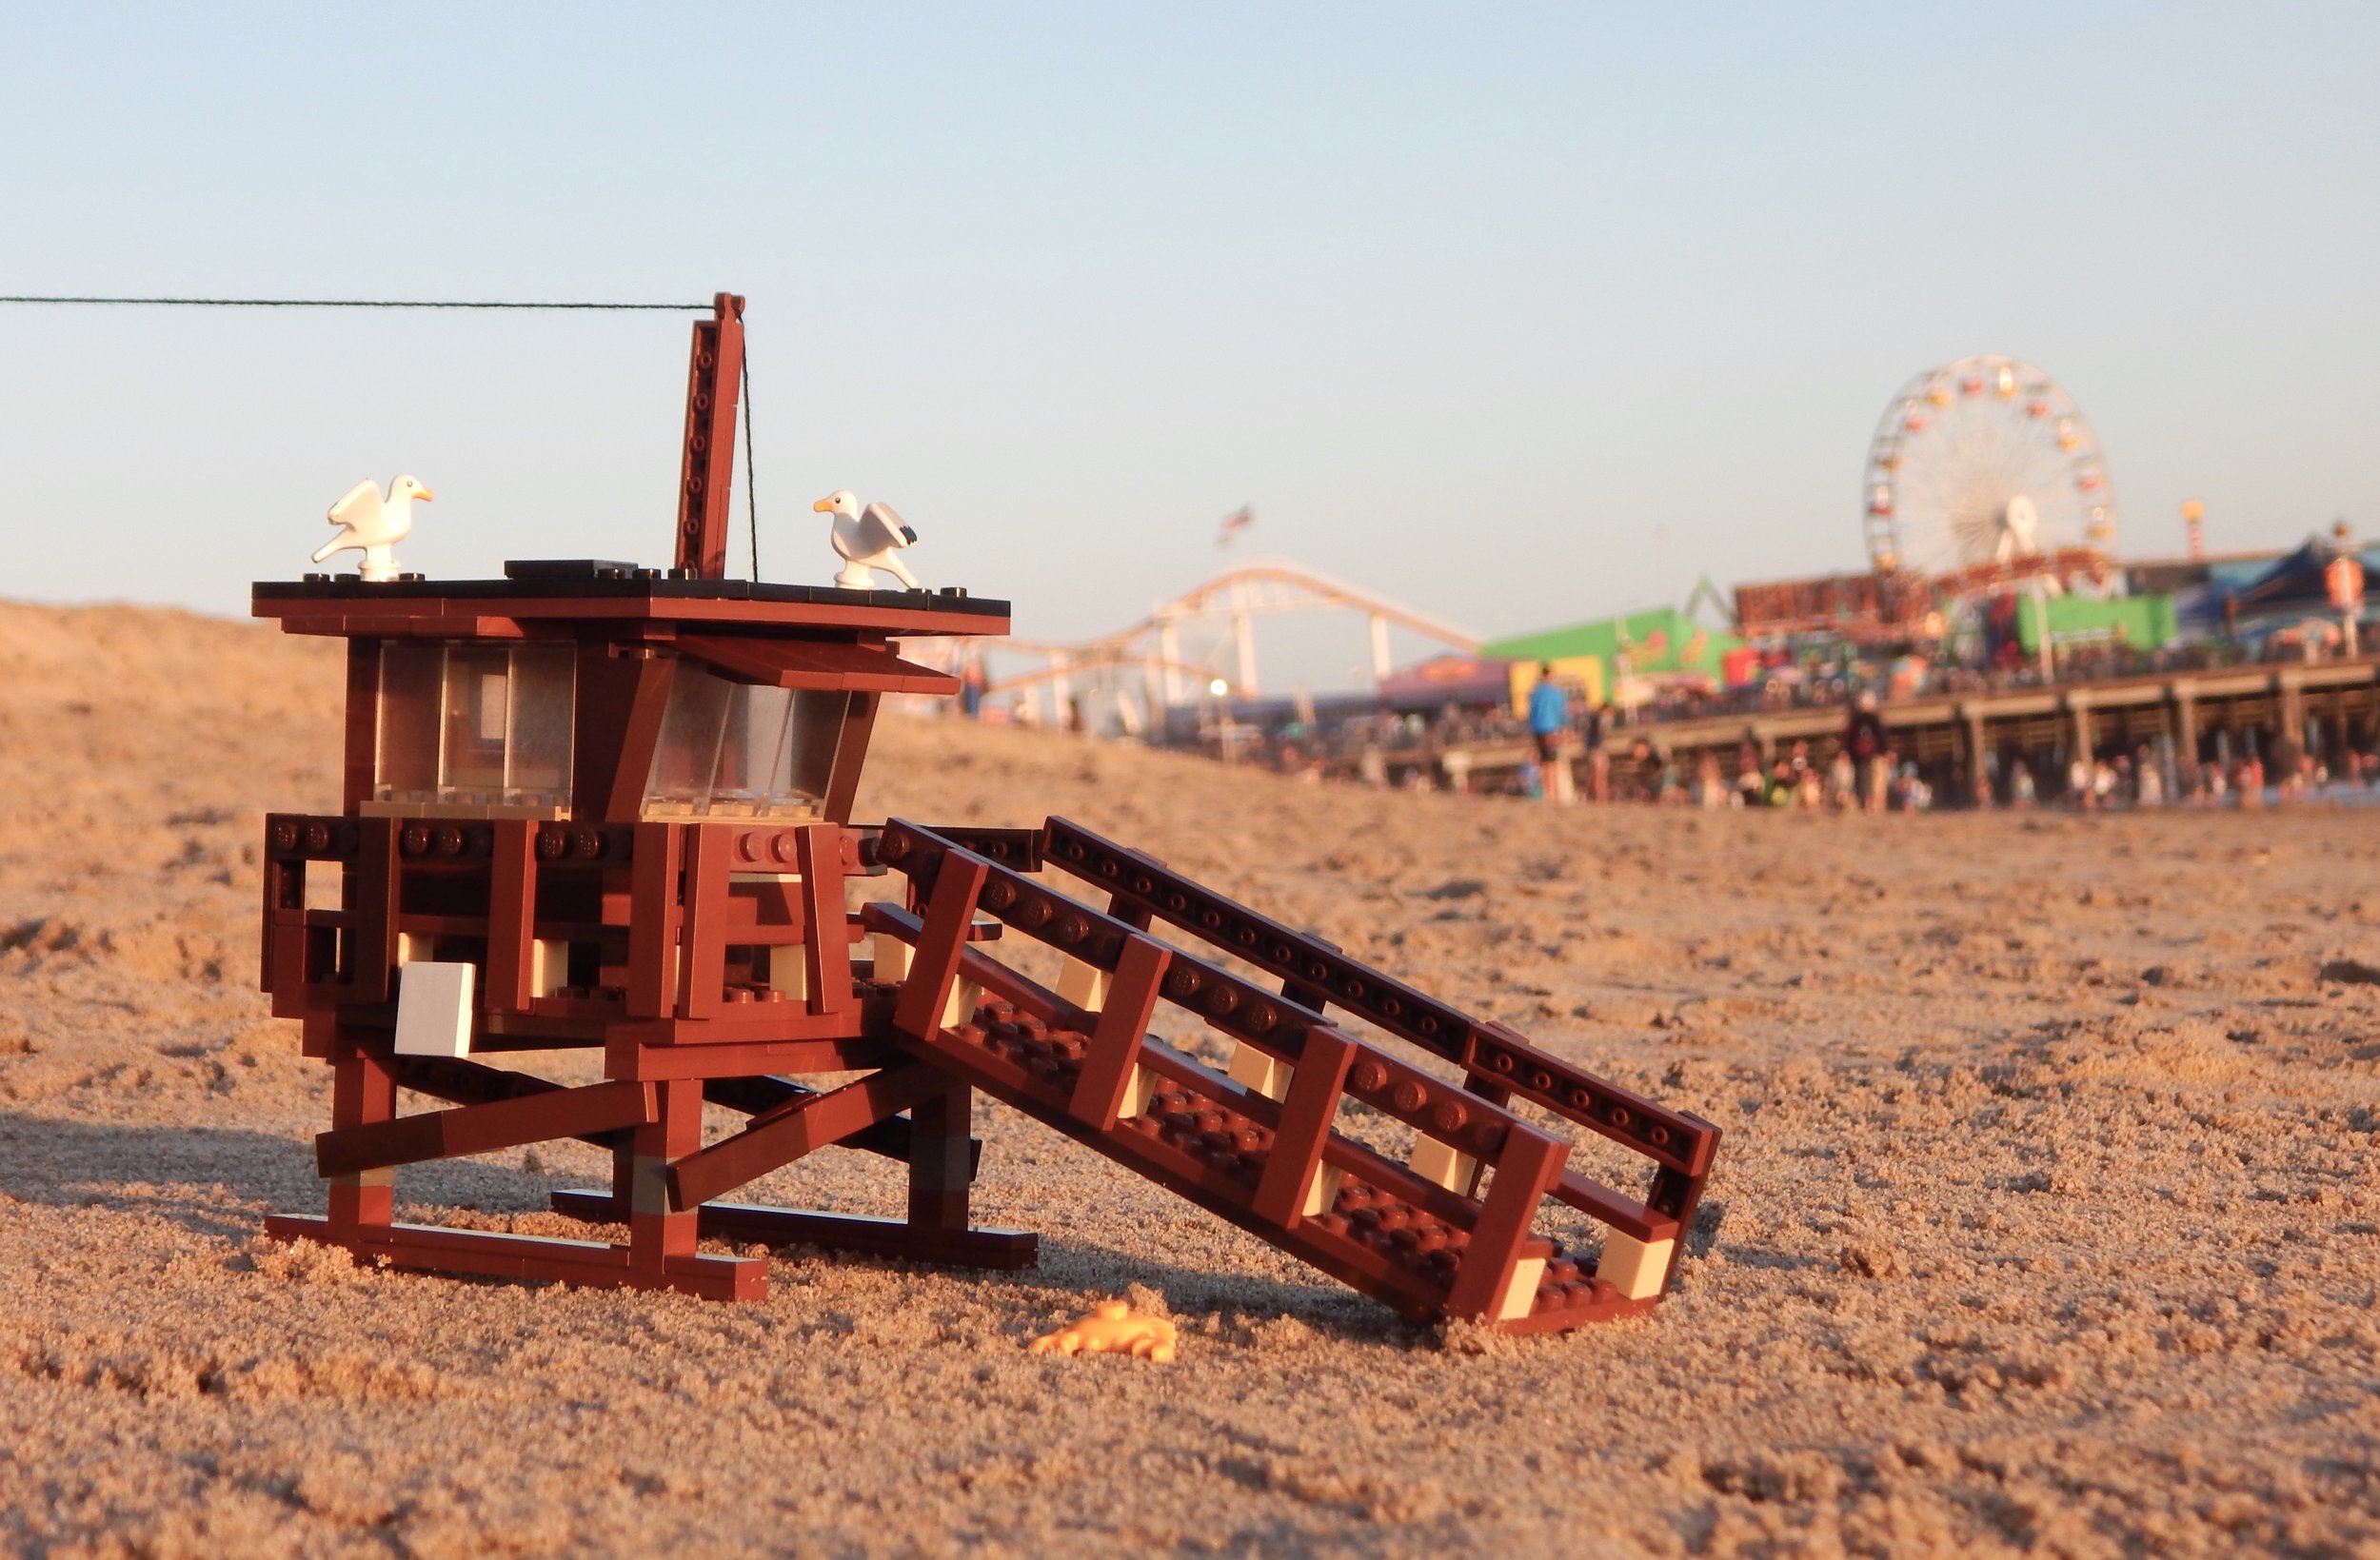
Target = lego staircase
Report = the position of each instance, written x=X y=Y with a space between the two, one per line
x=1446 y=1231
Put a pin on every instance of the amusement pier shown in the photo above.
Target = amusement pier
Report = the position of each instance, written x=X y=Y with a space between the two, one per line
x=1999 y=648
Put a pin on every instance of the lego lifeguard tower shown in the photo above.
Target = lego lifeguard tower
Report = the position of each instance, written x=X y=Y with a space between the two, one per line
x=597 y=806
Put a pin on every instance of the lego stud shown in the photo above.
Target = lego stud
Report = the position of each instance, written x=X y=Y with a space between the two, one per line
x=866 y=540
x=373 y=525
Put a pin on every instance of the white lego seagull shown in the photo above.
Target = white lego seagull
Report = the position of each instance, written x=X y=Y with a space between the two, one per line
x=866 y=539
x=374 y=525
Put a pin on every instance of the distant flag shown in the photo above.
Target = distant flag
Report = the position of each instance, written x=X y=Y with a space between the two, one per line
x=1238 y=521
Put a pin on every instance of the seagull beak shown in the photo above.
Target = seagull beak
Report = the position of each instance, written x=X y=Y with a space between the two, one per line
x=824 y=506
x=423 y=493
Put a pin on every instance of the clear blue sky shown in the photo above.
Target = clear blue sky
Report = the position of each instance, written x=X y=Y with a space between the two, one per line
x=1520 y=314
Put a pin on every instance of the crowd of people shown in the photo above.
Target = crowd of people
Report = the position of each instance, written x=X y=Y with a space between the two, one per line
x=1587 y=750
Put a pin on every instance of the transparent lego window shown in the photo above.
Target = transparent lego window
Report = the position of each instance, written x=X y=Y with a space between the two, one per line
x=480 y=726
x=751 y=749
x=731 y=750
x=537 y=744
x=405 y=767
x=813 y=736
x=687 y=753
x=478 y=707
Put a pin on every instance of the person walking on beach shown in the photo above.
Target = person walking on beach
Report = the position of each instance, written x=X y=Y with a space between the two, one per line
x=1592 y=727
x=1863 y=738
x=1549 y=717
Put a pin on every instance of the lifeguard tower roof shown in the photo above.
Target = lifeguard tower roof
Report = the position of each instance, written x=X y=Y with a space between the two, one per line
x=591 y=591
x=600 y=691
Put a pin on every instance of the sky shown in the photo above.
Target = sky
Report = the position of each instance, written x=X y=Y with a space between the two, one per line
x=1519 y=315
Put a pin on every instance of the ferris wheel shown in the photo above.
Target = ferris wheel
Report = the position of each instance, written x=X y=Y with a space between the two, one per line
x=1980 y=463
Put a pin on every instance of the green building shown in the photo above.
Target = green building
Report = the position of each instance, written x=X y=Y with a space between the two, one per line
x=1663 y=641
x=2138 y=623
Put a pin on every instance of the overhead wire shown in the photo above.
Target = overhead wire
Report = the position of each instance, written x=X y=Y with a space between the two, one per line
x=751 y=496
x=339 y=303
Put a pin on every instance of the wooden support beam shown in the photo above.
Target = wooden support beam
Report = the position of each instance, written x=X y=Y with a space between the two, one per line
x=1115 y=1051
x=592 y=1264
x=363 y=1099
x=370 y=901
x=616 y=724
x=702 y=962
x=942 y=942
x=1673 y=1197
x=512 y=918
x=1307 y=1112
x=842 y=784
x=827 y=954
x=654 y=919
x=1621 y=1212
x=777 y=1137
x=886 y=1237
x=706 y=475
x=478 y=1129
x=359 y=770
x=658 y=1233
x=1527 y=1169
x=941 y=1172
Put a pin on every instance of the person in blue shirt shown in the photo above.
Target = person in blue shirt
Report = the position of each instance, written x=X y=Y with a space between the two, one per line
x=1549 y=713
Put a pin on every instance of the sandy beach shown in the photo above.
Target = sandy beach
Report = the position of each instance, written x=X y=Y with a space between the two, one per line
x=2042 y=1224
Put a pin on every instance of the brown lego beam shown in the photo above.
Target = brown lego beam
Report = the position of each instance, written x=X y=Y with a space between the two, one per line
x=1501 y=1056
x=1234 y=1151
x=706 y=475
x=534 y=1117
x=815 y=664
x=797 y=1128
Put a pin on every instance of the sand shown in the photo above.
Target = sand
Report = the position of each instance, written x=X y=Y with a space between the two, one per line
x=2042 y=1223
